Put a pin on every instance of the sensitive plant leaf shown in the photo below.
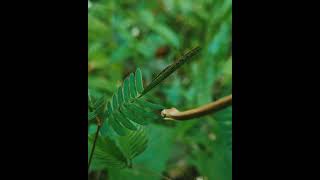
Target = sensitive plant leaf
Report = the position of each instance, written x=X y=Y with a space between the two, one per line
x=139 y=83
x=139 y=117
x=104 y=130
x=134 y=116
x=125 y=108
x=107 y=153
x=134 y=143
x=117 y=127
x=146 y=114
x=160 y=146
x=120 y=96
x=126 y=93
x=114 y=102
x=109 y=108
x=97 y=105
x=124 y=121
x=107 y=131
x=97 y=101
x=133 y=91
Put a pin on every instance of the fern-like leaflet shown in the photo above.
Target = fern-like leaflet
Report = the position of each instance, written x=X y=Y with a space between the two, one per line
x=133 y=144
x=126 y=109
x=119 y=153
x=107 y=153
x=96 y=107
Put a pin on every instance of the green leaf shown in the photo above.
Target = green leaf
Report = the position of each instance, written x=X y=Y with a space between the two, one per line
x=107 y=154
x=145 y=114
x=116 y=126
x=99 y=105
x=139 y=83
x=134 y=143
x=120 y=96
x=124 y=121
x=105 y=128
x=160 y=146
x=133 y=90
x=126 y=93
x=133 y=116
x=109 y=108
x=125 y=108
x=114 y=102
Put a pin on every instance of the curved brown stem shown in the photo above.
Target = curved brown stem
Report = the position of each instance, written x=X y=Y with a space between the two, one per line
x=174 y=114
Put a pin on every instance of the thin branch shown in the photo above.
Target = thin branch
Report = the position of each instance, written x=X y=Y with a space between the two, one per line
x=174 y=114
x=171 y=69
x=94 y=141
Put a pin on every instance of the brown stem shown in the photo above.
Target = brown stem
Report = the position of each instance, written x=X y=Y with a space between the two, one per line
x=174 y=114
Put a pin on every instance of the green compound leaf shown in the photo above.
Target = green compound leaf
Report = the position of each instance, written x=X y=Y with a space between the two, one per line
x=107 y=153
x=126 y=110
x=134 y=143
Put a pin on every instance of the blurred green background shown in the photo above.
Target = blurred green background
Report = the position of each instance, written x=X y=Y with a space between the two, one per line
x=150 y=34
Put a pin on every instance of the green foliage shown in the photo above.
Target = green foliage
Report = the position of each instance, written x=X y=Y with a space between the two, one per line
x=215 y=159
x=150 y=164
x=134 y=144
x=119 y=153
x=125 y=109
x=107 y=154
x=96 y=106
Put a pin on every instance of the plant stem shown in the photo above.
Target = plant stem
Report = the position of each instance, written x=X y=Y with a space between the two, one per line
x=94 y=145
x=174 y=114
x=171 y=69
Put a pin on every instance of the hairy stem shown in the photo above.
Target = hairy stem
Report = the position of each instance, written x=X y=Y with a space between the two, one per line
x=174 y=114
